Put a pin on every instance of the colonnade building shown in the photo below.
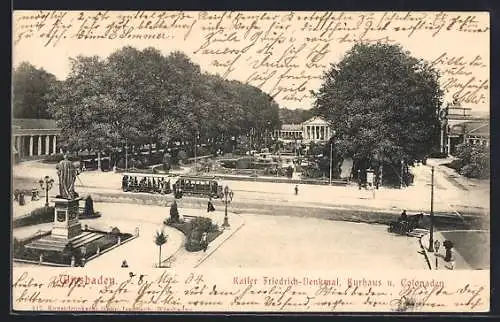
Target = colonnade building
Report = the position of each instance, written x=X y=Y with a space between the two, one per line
x=459 y=126
x=315 y=129
x=34 y=137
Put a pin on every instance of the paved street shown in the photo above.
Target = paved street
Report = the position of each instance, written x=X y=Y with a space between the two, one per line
x=309 y=243
x=277 y=241
x=448 y=197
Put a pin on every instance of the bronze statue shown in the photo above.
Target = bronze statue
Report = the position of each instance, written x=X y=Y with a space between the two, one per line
x=67 y=173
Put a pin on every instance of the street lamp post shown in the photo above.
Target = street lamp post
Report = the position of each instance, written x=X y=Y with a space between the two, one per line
x=195 y=147
x=126 y=155
x=46 y=183
x=228 y=198
x=331 y=157
x=401 y=176
x=437 y=244
x=431 y=233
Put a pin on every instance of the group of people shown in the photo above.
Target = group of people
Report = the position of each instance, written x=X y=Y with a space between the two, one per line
x=19 y=197
x=158 y=185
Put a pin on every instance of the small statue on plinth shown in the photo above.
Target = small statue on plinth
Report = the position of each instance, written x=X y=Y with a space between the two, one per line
x=67 y=173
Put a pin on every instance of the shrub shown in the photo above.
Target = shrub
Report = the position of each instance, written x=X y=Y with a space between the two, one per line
x=202 y=224
x=455 y=164
x=438 y=155
x=38 y=216
x=474 y=161
x=174 y=213
x=244 y=163
x=182 y=156
x=88 y=210
x=121 y=163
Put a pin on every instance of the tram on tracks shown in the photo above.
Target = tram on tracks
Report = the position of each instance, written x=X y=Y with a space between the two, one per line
x=202 y=186
x=146 y=182
x=198 y=186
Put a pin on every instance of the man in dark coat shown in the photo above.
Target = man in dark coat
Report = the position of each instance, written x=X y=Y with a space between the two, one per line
x=210 y=206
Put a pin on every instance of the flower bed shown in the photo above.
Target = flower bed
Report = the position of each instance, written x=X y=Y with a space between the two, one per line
x=38 y=216
x=193 y=230
x=19 y=251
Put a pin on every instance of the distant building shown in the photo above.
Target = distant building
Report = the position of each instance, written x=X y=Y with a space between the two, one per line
x=458 y=127
x=34 y=137
x=315 y=129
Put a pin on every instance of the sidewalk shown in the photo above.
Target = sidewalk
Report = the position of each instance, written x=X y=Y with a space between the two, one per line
x=458 y=262
x=185 y=259
x=470 y=251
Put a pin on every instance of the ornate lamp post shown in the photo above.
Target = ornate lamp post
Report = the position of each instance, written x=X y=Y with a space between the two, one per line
x=228 y=197
x=46 y=183
x=431 y=235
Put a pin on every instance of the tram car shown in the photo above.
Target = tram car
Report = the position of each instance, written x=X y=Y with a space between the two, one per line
x=198 y=186
x=151 y=183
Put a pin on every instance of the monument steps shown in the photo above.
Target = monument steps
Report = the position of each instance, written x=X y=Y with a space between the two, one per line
x=59 y=244
x=85 y=238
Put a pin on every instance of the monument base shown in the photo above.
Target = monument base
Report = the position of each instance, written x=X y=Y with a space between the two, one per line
x=66 y=224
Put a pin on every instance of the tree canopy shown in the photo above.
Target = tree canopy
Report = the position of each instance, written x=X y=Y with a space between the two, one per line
x=145 y=97
x=383 y=104
x=30 y=85
x=296 y=116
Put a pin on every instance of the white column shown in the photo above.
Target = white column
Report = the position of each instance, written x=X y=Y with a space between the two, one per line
x=39 y=151
x=47 y=145
x=449 y=144
x=31 y=145
x=441 y=142
x=54 y=151
x=324 y=133
x=18 y=145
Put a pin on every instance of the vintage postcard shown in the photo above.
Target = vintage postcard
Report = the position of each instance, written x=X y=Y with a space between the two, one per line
x=250 y=161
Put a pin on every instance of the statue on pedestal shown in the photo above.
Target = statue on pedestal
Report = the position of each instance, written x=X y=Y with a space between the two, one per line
x=67 y=173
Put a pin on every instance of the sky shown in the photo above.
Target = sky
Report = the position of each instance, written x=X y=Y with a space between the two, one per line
x=247 y=44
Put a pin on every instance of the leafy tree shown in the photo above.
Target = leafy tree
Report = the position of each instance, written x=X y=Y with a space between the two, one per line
x=160 y=240
x=296 y=116
x=382 y=103
x=30 y=87
x=474 y=160
x=139 y=97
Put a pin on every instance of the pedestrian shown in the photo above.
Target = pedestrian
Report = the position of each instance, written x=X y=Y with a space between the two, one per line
x=210 y=206
x=296 y=189
x=204 y=241
x=22 y=202
x=16 y=195
x=403 y=216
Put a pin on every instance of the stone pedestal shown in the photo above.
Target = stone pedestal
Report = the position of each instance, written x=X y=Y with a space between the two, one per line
x=66 y=224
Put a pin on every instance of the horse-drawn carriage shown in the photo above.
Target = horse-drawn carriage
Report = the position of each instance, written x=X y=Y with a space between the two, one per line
x=406 y=224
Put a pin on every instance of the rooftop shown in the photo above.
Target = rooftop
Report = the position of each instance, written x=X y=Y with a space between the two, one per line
x=34 y=124
x=291 y=127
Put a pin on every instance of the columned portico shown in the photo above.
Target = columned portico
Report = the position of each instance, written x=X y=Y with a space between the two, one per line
x=316 y=129
x=32 y=137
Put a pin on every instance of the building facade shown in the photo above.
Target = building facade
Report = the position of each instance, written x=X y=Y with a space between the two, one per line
x=315 y=129
x=458 y=126
x=34 y=137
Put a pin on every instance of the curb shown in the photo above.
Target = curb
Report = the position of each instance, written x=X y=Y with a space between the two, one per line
x=426 y=255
